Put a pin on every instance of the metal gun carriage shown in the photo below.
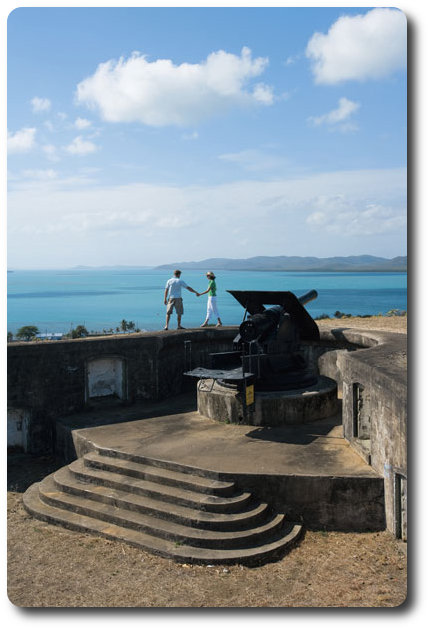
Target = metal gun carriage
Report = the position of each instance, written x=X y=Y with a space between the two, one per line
x=266 y=351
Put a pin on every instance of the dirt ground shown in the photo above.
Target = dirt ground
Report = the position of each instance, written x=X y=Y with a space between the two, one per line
x=376 y=322
x=49 y=566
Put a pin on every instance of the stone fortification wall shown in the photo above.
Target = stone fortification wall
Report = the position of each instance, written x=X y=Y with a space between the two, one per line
x=373 y=379
x=48 y=379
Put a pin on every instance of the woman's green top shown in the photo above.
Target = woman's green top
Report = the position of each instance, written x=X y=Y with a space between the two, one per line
x=212 y=288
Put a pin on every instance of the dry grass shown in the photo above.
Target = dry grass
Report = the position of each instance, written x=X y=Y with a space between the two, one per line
x=376 y=322
x=49 y=566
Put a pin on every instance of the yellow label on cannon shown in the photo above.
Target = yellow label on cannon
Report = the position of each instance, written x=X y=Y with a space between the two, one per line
x=249 y=395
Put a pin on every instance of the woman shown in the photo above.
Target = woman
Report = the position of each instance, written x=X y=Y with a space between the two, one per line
x=212 y=305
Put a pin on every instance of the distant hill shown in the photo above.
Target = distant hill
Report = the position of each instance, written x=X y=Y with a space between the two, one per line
x=108 y=267
x=296 y=263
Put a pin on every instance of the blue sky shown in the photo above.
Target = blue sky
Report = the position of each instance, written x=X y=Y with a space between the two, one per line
x=144 y=136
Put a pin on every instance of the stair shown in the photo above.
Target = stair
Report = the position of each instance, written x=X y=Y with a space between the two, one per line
x=163 y=507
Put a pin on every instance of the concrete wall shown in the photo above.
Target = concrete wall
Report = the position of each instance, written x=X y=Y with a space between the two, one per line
x=17 y=428
x=374 y=409
x=49 y=379
x=52 y=378
x=332 y=503
x=106 y=377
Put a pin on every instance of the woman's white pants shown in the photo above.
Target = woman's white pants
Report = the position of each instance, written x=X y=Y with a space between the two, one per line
x=212 y=307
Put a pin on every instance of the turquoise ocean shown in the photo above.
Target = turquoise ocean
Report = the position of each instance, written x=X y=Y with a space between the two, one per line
x=58 y=300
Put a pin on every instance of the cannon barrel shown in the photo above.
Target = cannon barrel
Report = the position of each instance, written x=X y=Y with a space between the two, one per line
x=260 y=323
x=308 y=297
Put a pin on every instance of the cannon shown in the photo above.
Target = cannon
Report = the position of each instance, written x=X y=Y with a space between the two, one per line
x=264 y=322
x=266 y=351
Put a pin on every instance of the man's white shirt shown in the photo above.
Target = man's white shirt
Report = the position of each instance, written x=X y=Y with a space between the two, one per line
x=175 y=287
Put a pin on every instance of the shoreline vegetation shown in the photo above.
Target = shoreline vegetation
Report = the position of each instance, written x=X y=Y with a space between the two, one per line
x=394 y=320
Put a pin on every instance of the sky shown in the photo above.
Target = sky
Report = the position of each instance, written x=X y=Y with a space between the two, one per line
x=143 y=136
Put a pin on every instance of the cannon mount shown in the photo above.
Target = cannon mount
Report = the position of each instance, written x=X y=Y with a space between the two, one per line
x=266 y=352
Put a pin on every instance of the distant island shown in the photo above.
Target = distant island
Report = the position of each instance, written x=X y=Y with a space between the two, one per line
x=296 y=263
x=107 y=267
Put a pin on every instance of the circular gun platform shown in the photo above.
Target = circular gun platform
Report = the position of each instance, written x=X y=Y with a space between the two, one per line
x=276 y=408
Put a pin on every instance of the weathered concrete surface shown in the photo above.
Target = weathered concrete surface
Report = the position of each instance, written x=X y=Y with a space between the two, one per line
x=49 y=380
x=308 y=471
x=104 y=413
x=53 y=378
x=375 y=396
x=197 y=441
x=218 y=402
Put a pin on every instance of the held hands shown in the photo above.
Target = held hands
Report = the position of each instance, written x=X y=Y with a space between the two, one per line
x=197 y=294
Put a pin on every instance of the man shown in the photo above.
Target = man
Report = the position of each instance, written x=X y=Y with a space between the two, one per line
x=173 y=297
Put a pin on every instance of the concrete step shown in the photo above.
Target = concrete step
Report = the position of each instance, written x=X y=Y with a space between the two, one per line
x=160 y=528
x=73 y=480
x=169 y=494
x=275 y=546
x=160 y=463
x=158 y=474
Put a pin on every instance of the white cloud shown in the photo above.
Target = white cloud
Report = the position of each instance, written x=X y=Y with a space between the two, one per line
x=79 y=146
x=344 y=216
x=190 y=136
x=21 y=141
x=322 y=214
x=161 y=93
x=339 y=116
x=317 y=219
x=291 y=59
x=82 y=123
x=51 y=152
x=40 y=104
x=361 y=47
x=253 y=160
x=40 y=174
x=263 y=94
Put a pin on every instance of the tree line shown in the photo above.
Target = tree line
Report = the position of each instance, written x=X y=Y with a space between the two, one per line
x=29 y=332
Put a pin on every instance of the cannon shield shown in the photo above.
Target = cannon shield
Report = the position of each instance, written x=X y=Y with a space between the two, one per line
x=255 y=302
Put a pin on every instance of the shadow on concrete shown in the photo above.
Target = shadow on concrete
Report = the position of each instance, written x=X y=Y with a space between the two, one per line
x=110 y=411
x=339 y=335
x=297 y=434
x=24 y=469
